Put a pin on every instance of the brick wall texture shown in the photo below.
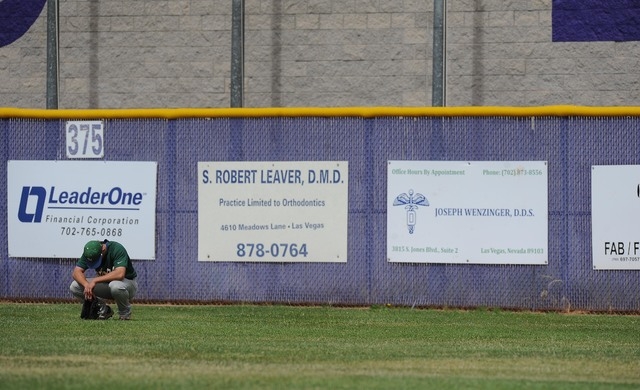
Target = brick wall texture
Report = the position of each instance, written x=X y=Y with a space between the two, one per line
x=320 y=53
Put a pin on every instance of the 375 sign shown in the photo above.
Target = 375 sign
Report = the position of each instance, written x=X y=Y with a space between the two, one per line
x=85 y=139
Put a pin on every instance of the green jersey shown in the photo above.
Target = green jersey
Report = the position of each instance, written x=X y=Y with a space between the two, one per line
x=114 y=257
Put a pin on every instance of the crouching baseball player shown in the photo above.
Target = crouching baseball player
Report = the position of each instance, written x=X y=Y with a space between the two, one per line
x=115 y=279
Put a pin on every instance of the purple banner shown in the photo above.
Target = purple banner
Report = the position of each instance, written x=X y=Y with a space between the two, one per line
x=595 y=20
x=16 y=17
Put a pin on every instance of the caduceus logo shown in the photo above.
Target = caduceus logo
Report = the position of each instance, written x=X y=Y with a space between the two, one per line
x=411 y=202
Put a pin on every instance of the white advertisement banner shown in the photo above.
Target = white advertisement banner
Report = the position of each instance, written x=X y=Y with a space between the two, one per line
x=55 y=207
x=480 y=212
x=615 y=212
x=294 y=211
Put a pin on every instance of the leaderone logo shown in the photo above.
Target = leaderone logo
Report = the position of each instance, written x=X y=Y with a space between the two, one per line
x=17 y=17
x=89 y=199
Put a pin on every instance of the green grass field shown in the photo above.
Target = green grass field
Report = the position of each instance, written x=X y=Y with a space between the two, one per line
x=47 y=346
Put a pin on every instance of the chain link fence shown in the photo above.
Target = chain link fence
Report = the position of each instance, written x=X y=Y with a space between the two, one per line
x=570 y=145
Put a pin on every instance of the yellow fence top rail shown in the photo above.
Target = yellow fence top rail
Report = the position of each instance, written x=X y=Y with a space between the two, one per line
x=364 y=112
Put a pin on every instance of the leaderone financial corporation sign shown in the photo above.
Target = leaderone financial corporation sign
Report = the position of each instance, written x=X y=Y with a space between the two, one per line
x=60 y=205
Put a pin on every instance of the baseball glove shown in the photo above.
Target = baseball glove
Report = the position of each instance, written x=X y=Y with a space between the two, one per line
x=105 y=312
x=90 y=309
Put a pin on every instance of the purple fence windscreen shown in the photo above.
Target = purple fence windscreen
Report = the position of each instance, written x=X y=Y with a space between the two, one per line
x=569 y=145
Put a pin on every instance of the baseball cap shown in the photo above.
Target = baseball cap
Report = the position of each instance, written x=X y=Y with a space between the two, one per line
x=92 y=252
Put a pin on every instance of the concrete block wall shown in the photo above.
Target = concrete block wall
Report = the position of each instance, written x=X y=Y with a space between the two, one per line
x=155 y=53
